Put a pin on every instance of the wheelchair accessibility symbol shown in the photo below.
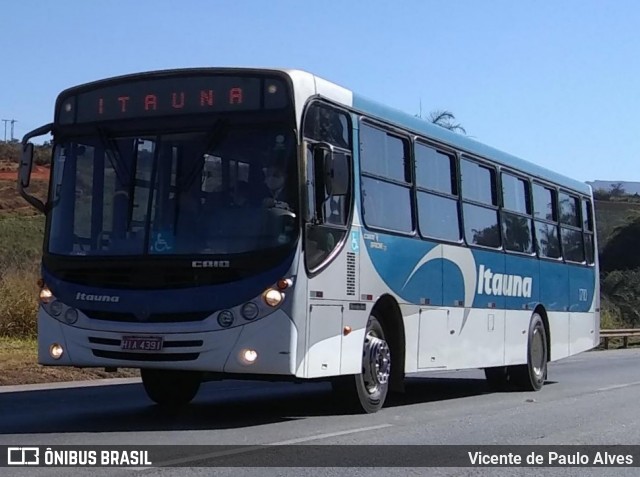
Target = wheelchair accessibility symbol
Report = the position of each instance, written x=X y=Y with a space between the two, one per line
x=162 y=242
x=355 y=242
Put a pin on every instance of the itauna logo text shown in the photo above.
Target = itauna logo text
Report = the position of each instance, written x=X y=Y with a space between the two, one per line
x=177 y=100
x=101 y=298
x=497 y=284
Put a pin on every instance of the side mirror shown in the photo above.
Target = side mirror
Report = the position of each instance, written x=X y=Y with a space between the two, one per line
x=337 y=173
x=335 y=169
x=26 y=165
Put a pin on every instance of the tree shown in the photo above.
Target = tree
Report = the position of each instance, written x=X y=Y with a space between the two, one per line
x=443 y=118
x=447 y=120
x=601 y=194
x=617 y=189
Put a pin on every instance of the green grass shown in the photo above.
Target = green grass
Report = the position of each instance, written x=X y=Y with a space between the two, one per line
x=20 y=250
x=20 y=241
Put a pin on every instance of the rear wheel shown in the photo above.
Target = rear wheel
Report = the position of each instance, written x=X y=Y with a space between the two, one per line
x=367 y=391
x=171 y=388
x=531 y=376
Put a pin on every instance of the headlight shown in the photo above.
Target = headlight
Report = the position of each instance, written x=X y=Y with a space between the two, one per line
x=71 y=316
x=46 y=296
x=249 y=311
x=56 y=307
x=225 y=318
x=56 y=351
x=249 y=356
x=273 y=297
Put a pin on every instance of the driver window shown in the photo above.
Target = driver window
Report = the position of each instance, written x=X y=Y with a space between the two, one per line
x=327 y=214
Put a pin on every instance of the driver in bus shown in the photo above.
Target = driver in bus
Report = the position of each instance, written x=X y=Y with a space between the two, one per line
x=275 y=180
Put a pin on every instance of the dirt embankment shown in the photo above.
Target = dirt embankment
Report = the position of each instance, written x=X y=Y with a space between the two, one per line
x=9 y=172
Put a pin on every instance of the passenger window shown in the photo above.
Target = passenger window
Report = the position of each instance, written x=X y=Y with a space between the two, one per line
x=481 y=226
x=386 y=205
x=569 y=210
x=383 y=154
x=547 y=241
x=438 y=217
x=435 y=170
x=478 y=183
x=517 y=226
x=544 y=203
x=515 y=194
x=385 y=184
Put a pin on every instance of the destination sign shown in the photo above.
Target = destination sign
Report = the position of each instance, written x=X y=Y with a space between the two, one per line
x=154 y=97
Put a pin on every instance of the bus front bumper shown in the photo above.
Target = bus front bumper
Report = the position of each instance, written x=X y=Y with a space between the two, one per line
x=266 y=346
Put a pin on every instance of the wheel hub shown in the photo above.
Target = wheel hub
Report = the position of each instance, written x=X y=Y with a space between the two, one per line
x=376 y=362
x=537 y=353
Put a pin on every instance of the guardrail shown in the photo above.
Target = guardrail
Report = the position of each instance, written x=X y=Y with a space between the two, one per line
x=624 y=334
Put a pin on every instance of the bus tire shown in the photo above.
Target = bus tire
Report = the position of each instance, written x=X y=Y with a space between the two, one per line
x=366 y=392
x=531 y=376
x=171 y=388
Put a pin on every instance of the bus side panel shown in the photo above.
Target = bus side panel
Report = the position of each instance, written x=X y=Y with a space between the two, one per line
x=480 y=343
x=331 y=293
x=516 y=336
x=554 y=295
x=477 y=335
x=520 y=308
x=583 y=325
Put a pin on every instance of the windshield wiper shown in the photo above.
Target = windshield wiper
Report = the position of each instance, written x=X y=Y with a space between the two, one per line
x=110 y=146
x=211 y=141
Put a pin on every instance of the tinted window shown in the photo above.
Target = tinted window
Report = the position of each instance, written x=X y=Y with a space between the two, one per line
x=481 y=226
x=478 y=182
x=382 y=154
x=438 y=217
x=572 y=245
x=435 y=170
x=547 y=240
x=386 y=205
x=569 y=210
x=588 y=245
x=324 y=123
x=587 y=222
x=543 y=203
x=516 y=231
x=515 y=194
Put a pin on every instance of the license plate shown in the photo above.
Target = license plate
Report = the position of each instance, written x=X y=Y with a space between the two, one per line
x=142 y=343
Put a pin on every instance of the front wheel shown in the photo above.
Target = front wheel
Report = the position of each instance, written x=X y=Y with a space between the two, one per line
x=171 y=388
x=367 y=391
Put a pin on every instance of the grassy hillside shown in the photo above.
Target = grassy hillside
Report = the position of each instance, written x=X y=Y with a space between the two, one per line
x=610 y=215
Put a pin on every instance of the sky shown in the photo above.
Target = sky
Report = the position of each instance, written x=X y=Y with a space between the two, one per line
x=554 y=82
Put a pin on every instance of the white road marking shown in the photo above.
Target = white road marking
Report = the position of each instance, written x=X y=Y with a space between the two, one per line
x=618 y=386
x=245 y=449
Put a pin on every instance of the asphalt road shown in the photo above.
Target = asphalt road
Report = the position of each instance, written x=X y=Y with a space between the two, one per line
x=592 y=398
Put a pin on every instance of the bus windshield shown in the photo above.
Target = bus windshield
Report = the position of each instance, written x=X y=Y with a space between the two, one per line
x=225 y=190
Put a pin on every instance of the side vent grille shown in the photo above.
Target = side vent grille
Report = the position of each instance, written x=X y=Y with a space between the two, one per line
x=351 y=274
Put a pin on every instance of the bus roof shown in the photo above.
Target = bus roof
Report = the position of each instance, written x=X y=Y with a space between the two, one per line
x=429 y=130
x=464 y=143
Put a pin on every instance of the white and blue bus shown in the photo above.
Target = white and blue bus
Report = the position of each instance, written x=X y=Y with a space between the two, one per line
x=268 y=224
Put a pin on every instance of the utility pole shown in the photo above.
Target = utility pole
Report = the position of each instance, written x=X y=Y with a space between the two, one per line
x=5 y=128
x=13 y=121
